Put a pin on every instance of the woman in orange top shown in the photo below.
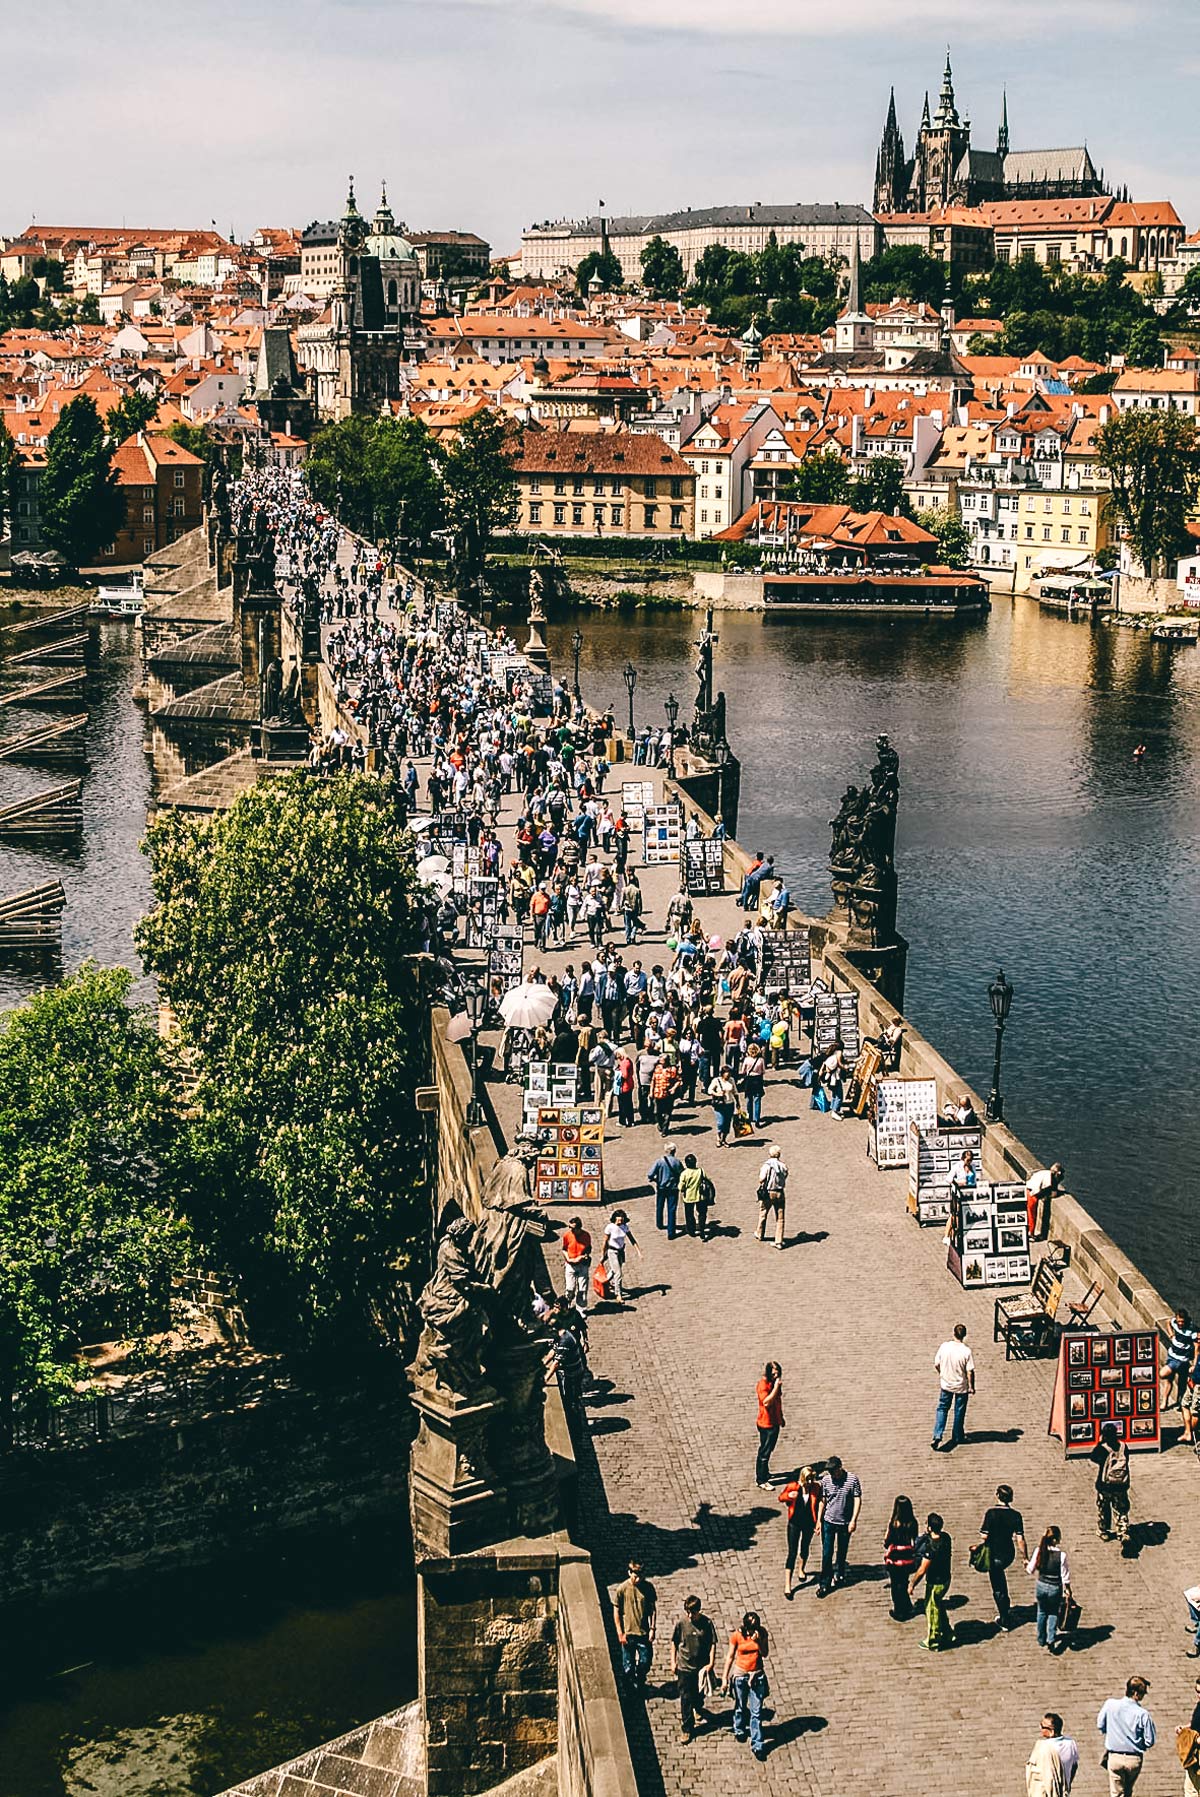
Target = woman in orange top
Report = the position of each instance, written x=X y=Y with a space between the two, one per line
x=802 y=1495
x=745 y=1679
x=770 y=1420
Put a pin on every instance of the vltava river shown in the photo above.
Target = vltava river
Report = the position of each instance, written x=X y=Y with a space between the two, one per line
x=1028 y=837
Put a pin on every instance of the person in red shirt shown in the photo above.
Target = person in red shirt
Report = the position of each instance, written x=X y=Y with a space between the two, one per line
x=770 y=1420
x=745 y=1678
x=624 y=1087
x=577 y=1257
x=802 y=1495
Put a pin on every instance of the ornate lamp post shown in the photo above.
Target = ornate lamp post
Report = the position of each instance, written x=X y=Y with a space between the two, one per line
x=1000 y=993
x=576 y=646
x=671 y=707
x=629 y=674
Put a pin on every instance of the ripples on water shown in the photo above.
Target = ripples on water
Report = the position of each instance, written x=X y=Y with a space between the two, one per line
x=1028 y=837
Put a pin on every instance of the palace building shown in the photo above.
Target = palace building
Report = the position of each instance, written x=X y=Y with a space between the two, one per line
x=945 y=170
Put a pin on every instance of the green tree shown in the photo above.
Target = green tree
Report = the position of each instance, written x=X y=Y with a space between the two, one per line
x=480 y=490
x=604 y=264
x=131 y=415
x=406 y=492
x=881 y=489
x=89 y=1159
x=904 y=272
x=89 y=310
x=822 y=479
x=1153 y=462
x=8 y=457
x=337 y=469
x=50 y=270
x=1144 y=348
x=286 y=937
x=662 y=268
x=82 y=507
x=953 y=537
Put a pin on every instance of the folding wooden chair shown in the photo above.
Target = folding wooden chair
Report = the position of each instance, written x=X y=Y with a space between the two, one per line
x=1080 y=1313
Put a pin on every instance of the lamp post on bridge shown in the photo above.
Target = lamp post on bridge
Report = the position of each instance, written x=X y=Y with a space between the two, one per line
x=671 y=707
x=1000 y=993
x=576 y=646
x=629 y=674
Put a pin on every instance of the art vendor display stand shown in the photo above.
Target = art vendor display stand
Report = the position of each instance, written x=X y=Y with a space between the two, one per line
x=636 y=797
x=483 y=910
x=931 y=1154
x=1110 y=1378
x=548 y=1084
x=570 y=1165
x=703 y=868
x=787 y=961
x=897 y=1103
x=506 y=956
x=662 y=834
x=989 y=1236
x=836 y=1014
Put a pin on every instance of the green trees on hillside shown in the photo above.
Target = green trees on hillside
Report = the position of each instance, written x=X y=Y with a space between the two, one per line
x=82 y=507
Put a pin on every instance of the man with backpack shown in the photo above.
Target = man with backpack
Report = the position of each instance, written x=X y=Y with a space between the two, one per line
x=772 y=1193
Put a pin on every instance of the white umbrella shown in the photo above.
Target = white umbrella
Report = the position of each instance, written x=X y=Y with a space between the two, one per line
x=528 y=1007
x=431 y=865
x=458 y=1028
x=419 y=825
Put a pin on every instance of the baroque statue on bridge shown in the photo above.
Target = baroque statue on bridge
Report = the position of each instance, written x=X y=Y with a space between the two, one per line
x=862 y=858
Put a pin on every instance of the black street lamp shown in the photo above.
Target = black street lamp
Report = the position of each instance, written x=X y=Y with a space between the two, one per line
x=476 y=999
x=576 y=646
x=671 y=707
x=1000 y=993
x=629 y=673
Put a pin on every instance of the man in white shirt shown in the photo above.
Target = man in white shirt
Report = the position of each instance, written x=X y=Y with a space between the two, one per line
x=1053 y=1760
x=772 y=1193
x=956 y=1372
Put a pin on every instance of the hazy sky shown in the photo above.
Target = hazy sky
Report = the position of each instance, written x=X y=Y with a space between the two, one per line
x=487 y=115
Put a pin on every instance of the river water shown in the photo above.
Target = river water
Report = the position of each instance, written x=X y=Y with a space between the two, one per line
x=1028 y=838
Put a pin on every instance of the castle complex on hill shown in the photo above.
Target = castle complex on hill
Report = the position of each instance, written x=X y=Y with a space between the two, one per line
x=945 y=170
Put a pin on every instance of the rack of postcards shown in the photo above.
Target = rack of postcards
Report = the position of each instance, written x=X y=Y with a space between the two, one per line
x=505 y=958
x=989 y=1236
x=548 y=1084
x=931 y=1155
x=1106 y=1378
x=836 y=1014
x=570 y=1164
x=704 y=867
x=787 y=962
x=895 y=1104
x=445 y=616
x=447 y=830
x=662 y=834
x=636 y=796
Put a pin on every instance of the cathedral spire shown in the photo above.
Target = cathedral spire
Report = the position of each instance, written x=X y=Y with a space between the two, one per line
x=854 y=297
x=947 y=113
x=891 y=125
x=925 y=114
x=1002 y=139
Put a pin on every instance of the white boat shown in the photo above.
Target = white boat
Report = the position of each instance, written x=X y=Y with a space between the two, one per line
x=1176 y=630
x=126 y=601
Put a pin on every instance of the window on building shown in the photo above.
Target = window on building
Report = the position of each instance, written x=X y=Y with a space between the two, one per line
x=1029 y=502
x=676 y=487
x=648 y=513
x=1085 y=508
x=576 y=514
x=578 y=486
x=1047 y=505
x=560 y=514
x=1066 y=506
x=178 y=508
x=147 y=514
x=535 y=485
x=598 y=486
x=1066 y=533
x=560 y=486
x=1028 y=535
x=147 y=547
x=676 y=517
x=535 y=512
x=718 y=492
x=1046 y=533
x=1083 y=536
x=179 y=477
x=704 y=516
x=651 y=487
x=704 y=490
x=704 y=467
x=598 y=516
x=618 y=516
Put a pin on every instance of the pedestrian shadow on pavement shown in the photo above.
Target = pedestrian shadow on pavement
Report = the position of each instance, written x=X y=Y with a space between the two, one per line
x=626 y=1537
x=793 y=1729
x=973 y=1436
x=1079 y=1640
x=804 y=1238
x=1144 y=1534
x=608 y=1425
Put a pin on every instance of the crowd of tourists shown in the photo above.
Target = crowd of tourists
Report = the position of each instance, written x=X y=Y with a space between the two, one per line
x=694 y=1025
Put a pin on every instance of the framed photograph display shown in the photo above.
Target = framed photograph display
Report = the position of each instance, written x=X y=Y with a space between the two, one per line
x=483 y=910
x=897 y=1103
x=989 y=1236
x=836 y=1014
x=549 y=1085
x=703 y=868
x=570 y=1163
x=787 y=961
x=636 y=795
x=1110 y=1378
x=506 y=956
x=662 y=834
x=931 y=1154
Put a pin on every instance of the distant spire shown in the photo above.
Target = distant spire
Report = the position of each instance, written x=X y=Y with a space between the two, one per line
x=853 y=299
x=925 y=114
x=891 y=114
x=1002 y=139
x=947 y=114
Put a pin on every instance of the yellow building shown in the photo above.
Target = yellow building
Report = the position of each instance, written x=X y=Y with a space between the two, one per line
x=603 y=483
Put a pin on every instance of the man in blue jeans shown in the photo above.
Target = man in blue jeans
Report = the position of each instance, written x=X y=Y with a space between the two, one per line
x=956 y=1370
x=635 y=1610
x=841 y=1501
x=664 y=1178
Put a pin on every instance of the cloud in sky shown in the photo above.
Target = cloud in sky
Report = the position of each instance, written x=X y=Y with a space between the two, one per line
x=488 y=114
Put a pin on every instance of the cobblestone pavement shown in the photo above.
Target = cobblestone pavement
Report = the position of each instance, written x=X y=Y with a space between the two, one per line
x=854 y=1308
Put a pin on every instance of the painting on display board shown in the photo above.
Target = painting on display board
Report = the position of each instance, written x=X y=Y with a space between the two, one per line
x=1107 y=1378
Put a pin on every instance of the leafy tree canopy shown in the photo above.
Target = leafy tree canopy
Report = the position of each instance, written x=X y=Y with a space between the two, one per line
x=130 y=416
x=89 y=1155
x=954 y=539
x=285 y=938
x=82 y=507
x=1153 y=462
x=479 y=489
x=604 y=264
x=662 y=268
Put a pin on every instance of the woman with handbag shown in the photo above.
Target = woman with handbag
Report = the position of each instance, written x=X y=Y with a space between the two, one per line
x=1052 y=1591
x=722 y=1095
x=754 y=1076
x=900 y=1556
x=746 y=1681
x=802 y=1495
